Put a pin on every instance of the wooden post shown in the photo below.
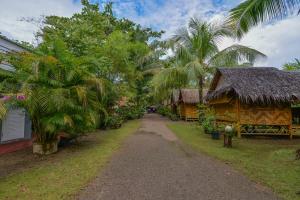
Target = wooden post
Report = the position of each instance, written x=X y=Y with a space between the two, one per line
x=239 y=135
x=291 y=124
x=290 y=132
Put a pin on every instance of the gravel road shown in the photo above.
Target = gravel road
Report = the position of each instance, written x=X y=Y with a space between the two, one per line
x=153 y=165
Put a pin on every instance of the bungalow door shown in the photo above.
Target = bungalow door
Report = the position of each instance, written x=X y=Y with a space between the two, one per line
x=13 y=125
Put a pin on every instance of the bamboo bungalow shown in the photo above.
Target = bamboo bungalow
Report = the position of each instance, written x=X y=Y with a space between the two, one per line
x=188 y=100
x=256 y=100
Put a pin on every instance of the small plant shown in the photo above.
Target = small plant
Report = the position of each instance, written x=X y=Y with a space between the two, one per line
x=130 y=112
x=164 y=110
x=167 y=112
x=114 y=121
x=208 y=123
x=173 y=117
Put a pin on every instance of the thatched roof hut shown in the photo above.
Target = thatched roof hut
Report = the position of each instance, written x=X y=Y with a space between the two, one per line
x=188 y=100
x=254 y=96
x=256 y=85
x=189 y=96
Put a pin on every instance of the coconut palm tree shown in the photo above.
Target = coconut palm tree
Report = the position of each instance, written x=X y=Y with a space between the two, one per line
x=252 y=12
x=197 y=53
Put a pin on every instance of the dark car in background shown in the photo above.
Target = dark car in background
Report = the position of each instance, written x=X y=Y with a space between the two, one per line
x=151 y=109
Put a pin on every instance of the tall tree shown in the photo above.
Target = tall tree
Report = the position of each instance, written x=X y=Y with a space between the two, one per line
x=197 y=53
x=252 y=12
x=115 y=45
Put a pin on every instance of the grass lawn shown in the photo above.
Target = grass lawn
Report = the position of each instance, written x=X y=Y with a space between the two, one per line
x=61 y=179
x=269 y=161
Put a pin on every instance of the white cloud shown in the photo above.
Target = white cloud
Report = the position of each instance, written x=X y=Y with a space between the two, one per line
x=172 y=14
x=279 y=41
x=12 y=11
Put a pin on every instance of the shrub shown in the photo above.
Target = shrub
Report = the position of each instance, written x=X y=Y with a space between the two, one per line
x=208 y=123
x=164 y=110
x=114 y=121
x=130 y=112
x=173 y=117
x=167 y=112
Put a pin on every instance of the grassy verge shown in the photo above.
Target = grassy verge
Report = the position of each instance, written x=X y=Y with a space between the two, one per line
x=271 y=162
x=61 y=179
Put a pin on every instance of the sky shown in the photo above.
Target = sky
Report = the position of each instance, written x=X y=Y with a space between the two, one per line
x=280 y=40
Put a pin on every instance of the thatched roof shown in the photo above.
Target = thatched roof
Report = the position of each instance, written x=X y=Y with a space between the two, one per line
x=256 y=84
x=189 y=96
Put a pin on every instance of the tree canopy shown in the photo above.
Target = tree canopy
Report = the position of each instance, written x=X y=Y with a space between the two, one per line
x=73 y=79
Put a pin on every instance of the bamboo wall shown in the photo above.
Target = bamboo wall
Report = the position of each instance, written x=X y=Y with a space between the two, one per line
x=225 y=112
x=265 y=115
x=189 y=111
x=231 y=111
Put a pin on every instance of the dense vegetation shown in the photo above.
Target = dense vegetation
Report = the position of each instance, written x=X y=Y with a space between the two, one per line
x=196 y=55
x=73 y=81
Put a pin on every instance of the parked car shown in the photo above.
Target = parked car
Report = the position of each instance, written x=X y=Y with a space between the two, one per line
x=151 y=109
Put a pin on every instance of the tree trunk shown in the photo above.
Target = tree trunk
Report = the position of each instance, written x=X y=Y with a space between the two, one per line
x=200 y=89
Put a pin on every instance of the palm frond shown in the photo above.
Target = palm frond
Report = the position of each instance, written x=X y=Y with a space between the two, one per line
x=252 y=12
x=235 y=55
x=168 y=79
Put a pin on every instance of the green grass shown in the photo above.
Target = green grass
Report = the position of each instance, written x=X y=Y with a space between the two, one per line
x=268 y=161
x=64 y=178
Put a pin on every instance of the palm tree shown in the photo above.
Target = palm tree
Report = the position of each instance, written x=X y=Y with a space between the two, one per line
x=60 y=92
x=252 y=12
x=197 y=53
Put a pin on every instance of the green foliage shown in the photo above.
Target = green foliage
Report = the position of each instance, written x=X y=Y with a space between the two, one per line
x=84 y=64
x=60 y=93
x=163 y=110
x=252 y=12
x=167 y=112
x=292 y=66
x=209 y=122
x=114 y=121
x=196 y=55
x=130 y=112
x=173 y=117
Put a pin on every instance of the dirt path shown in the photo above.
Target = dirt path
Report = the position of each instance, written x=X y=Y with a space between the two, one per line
x=152 y=164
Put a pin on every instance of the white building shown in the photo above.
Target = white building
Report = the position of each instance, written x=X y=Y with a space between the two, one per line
x=7 y=45
x=15 y=128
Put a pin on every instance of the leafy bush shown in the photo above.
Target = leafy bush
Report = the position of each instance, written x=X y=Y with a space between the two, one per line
x=114 y=121
x=165 y=111
x=208 y=123
x=130 y=112
x=122 y=114
x=173 y=117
